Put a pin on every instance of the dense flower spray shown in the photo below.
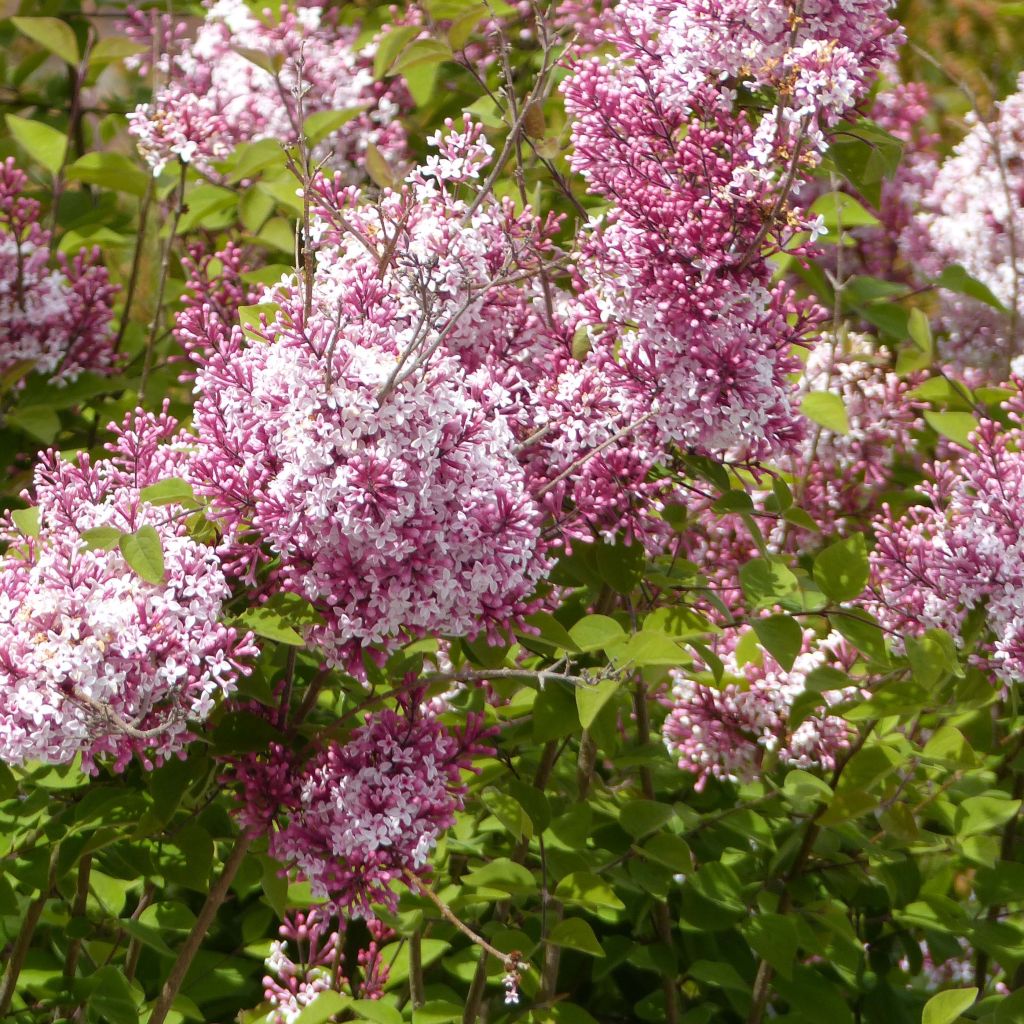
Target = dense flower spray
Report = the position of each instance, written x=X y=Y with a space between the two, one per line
x=731 y=731
x=358 y=434
x=55 y=321
x=249 y=76
x=676 y=284
x=963 y=552
x=94 y=660
x=371 y=809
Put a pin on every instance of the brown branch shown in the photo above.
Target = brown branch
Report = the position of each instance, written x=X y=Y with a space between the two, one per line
x=195 y=938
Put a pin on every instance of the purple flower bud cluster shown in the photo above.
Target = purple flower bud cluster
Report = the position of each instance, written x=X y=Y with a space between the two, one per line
x=309 y=958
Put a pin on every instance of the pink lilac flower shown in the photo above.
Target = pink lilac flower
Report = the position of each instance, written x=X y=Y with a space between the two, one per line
x=733 y=731
x=973 y=215
x=963 y=552
x=366 y=443
x=95 y=660
x=373 y=808
x=240 y=79
x=309 y=958
x=56 y=321
x=838 y=476
x=674 y=277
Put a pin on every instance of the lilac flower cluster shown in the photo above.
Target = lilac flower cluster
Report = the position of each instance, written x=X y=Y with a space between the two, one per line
x=247 y=77
x=357 y=433
x=309 y=959
x=842 y=474
x=734 y=730
x=962 y=552
x=95 y=660
x=677 y=288
x=55 y=321
x=371 y=809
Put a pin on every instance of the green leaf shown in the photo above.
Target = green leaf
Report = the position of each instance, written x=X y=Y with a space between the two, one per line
x=112 y=48
x=955 y=279
x=670 y=850
x=949 y=744
x=172 y=491
x=280 y=618
x=865 y=154
x=642 y=817
x=110 y=997
x=248 y=158
x=44 y=144
x=589 y=891
x=932 y=657
x=323 y=1008
x=842 y=569
x=38 y=421
x=147 y=935
x=765 y=581
x=863 y=631
x=271 y=64
x=423 y=51
x=595 y=632
x=376 y=1011
x=946 y=1007
x=827 y=410
x=390 y=46
x=774 y=938
x=462 y=27
x=143 y=553
x=102 y=538
x=840 y=211
x=781 y=636
x=591 y=699
x=648 y=648
x=620 y=565
x=243 y=732
x=26 y=520
x=378 y=168
x=552 y=634
x=109 y=170
x=502 y=874
x=508 y=811
x=203 y=204
x=801 y=786
x=56 y=35
x=920 y=331
x=985 y=813
x=957 y=426
x=325 y=122
x=575 y=933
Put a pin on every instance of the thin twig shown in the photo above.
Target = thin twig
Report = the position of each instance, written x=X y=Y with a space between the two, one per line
x=195 y=938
